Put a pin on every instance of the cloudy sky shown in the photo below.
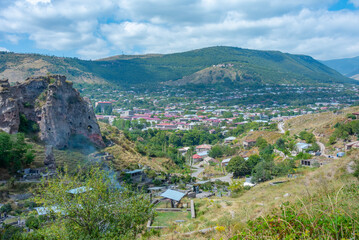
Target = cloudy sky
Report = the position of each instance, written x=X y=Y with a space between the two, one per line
x=91 y=29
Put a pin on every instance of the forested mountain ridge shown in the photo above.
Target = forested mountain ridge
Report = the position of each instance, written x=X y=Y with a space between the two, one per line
x=266 y=67
x=347 y=66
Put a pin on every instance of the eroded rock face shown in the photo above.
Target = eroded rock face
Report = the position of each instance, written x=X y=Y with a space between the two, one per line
x=54 y=104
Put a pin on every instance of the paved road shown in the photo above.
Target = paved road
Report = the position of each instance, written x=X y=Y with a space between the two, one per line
x=198 y=171
x=281 y=127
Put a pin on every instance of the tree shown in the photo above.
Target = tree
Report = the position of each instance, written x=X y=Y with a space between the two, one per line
x=264 y=171
x=252 y=161
x=216 y=151
x=237 y=165
x=100 y=209
x=14 y=152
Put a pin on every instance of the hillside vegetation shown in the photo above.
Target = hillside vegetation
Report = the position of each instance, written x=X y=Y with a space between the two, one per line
x=253 y=66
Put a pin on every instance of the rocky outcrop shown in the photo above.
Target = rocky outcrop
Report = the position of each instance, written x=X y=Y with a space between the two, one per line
x=54 y=105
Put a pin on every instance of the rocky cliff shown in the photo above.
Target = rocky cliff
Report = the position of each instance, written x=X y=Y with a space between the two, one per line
x=54 y=105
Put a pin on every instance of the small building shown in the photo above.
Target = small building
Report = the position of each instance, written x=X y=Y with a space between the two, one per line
x=183 y=150
x=356 y=114
x=302 y=146
x=208 y=160
x=197 y=158
x=166 y=126
x=229 y=139
x=249 y=143
x=203 y=154
x=174 y=196
x=314 y=162
x=136 y=174
x=203 y=147
x=352 y=145
x=103 y=106
x=225 y=162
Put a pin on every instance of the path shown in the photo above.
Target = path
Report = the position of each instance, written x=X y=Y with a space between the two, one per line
x=281 y=127
x=198 y=171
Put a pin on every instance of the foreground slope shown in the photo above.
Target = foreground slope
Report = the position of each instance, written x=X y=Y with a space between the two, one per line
x=240 y=65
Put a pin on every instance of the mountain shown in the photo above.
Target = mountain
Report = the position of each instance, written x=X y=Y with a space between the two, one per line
x=347 y=66
x=207 y=65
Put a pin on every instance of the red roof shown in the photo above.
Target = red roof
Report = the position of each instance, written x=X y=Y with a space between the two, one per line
x=196 y=156
x=104 y=102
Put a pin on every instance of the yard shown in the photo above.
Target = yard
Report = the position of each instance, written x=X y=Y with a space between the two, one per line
x=169 y=218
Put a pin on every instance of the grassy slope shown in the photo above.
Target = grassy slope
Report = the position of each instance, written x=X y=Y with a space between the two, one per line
x=126 y=155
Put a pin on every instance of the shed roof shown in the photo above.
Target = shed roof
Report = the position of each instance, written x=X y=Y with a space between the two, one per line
x=173 y=195
x=79 y=190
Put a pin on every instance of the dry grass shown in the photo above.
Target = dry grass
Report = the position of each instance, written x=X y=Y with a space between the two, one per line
x=322 y=123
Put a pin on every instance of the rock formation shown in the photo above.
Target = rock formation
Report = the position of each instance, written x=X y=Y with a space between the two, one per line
x=54 y=105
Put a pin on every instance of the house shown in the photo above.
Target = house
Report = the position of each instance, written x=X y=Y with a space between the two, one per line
x=229 y=139
x=203 y=154
x=183 y=150
x=314 y=162
x=302 y=146
x=225 y=162
x=356 y=114
x=249 y=143
x=352 y=145
x=103 y=106
x=196 y=158
x=208 y=160
x=203 y=147
x=166 y=126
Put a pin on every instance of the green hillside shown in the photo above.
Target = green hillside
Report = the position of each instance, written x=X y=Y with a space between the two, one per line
x=249 y=65
x=347 y=66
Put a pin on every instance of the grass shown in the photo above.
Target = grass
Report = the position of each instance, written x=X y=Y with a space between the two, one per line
x=169 y=218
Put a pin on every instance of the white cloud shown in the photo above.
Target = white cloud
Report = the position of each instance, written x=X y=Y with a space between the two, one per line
x=355 y=2
x=92 y=28
x=3 y=49
x=38 y=1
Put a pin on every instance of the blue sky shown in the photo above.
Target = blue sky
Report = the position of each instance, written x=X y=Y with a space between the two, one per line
x=92 y=29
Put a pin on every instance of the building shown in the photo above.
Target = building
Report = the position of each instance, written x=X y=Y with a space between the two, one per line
x=203 y=147
x=197 y=158
x=249 y=143
x=183 y=150
x=166 y=126
x=229 y=139
x=302 y=146
x=352 y=145
x=225 y=162
x=203 y=154
x=103 y=106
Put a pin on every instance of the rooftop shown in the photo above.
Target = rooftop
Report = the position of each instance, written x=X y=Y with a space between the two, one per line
x=173 y=195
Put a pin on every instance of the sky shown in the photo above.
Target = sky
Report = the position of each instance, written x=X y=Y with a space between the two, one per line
x=93 y=29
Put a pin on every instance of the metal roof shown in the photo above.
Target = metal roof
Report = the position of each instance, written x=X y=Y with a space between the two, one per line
x=135 y=171
x=173 y=195
x=79 y=190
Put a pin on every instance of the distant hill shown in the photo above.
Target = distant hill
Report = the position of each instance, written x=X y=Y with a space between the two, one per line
x=207 y=66
x=347 y=66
